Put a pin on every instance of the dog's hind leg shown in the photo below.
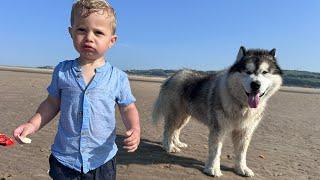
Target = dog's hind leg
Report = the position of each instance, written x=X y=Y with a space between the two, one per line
x=176 y=133
x=173 y=124
x=167 y=142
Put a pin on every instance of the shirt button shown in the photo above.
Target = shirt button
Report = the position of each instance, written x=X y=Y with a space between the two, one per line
x=80 y=113
x=84 y=133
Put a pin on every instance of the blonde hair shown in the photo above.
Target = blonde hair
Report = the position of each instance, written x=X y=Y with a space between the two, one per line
x=87 y=7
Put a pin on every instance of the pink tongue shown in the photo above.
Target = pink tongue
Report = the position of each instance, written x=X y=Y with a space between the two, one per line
x=254 y=100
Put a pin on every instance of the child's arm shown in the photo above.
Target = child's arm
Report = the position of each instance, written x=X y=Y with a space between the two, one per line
x=130 y=118
x=47 y=110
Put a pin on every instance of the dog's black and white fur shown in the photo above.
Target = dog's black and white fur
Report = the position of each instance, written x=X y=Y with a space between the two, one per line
x=229 y=102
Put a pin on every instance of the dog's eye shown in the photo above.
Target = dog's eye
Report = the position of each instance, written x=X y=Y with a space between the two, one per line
x=265 y=72
x=249 y=72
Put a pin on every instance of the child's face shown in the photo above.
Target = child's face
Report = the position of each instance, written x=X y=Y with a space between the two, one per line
x=92 y=35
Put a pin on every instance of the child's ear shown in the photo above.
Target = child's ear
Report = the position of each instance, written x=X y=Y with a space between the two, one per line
x=113 y=40
x=70 y=31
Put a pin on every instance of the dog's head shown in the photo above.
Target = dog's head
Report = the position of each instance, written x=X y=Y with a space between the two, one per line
x=255 y=76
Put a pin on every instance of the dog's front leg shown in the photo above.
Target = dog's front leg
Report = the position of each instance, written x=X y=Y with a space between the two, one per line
x=212 y=166
x=241 y=140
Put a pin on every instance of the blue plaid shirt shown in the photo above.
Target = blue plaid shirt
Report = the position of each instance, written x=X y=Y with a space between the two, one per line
x=86 y=131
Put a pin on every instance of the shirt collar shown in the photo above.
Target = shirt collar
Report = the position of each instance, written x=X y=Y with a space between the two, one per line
x=104 y=68
x=76 y=66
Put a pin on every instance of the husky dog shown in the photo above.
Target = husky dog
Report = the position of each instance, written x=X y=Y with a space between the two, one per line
x=229 y=102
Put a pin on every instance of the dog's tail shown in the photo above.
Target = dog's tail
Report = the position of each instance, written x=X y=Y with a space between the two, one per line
x=156 y=112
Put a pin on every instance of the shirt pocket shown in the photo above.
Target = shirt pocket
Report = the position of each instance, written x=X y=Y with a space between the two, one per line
x=70 y=97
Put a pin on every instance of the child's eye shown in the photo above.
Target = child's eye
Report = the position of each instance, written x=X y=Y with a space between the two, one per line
x=99 y=33
x=81 y=30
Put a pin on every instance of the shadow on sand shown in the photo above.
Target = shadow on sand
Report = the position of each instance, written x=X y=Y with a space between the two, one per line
x=150 y=152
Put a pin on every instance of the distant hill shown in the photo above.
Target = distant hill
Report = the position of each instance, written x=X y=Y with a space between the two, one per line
x=291 y=77
x=46 y=67
x=301 y=78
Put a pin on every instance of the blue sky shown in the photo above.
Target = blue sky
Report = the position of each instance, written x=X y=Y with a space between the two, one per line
x=169 y=34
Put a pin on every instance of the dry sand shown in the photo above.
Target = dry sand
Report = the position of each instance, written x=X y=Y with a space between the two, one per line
x=286 y=145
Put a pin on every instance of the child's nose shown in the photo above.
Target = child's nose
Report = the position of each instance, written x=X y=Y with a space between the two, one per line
x=89 y=36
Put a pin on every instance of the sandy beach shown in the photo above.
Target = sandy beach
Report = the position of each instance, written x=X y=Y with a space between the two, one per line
x=286 y=145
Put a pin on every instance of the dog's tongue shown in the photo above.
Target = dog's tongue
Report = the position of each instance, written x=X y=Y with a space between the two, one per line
x=254 y=99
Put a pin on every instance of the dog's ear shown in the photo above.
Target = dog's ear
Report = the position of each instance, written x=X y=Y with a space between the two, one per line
x=241 y=53
x=273 y=52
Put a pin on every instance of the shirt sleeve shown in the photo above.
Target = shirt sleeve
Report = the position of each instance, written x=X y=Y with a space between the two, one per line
x=53 y=88
x=125 y=96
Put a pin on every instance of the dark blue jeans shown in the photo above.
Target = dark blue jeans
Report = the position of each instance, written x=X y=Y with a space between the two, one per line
x=60 y=172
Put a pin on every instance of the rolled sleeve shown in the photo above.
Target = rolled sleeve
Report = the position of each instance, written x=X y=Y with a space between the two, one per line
x=53 y=88
x=125 y=96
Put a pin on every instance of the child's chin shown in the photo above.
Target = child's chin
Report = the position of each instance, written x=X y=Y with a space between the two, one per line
x=89 y=56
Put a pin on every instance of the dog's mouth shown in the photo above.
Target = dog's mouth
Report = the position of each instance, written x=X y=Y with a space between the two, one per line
x=254 y=98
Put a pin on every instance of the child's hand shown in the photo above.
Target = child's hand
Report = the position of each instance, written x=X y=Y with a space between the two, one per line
x=23 y=131
x=132 y=141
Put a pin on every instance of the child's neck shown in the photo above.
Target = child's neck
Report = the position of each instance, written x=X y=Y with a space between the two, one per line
x=91 y=64
x=88 y=68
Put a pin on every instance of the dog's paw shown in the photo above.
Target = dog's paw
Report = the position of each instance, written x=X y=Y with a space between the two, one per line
x=216 y=172
x=244 y=171
x=172 y=149
x=181 y=145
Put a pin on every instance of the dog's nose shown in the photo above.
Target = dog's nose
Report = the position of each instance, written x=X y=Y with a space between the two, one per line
x=255 y=85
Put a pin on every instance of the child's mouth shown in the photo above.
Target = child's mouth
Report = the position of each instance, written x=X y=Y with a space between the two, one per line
x=88 y=48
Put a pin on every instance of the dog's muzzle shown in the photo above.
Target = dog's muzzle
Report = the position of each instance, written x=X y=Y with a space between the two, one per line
x=255 y=94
